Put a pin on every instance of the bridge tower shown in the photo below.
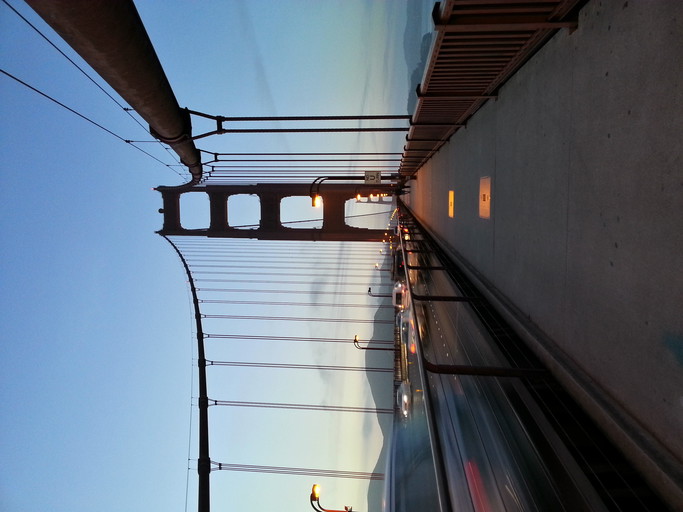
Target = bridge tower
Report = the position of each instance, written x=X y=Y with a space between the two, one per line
x=270 y=195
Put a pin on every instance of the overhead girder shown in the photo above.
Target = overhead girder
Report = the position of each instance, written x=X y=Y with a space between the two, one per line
x=111 y=38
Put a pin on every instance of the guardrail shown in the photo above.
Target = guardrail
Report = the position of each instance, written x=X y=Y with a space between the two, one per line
x=476 y=48
x=432 y=367
x=434 y=443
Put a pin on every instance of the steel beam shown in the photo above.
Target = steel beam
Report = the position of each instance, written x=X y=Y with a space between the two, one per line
x=110 y=37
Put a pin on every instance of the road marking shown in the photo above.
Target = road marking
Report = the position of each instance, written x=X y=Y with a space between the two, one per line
x=485 y=197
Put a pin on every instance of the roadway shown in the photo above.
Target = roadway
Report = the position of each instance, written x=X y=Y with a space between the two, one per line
x=583 y=247
x=472 y=442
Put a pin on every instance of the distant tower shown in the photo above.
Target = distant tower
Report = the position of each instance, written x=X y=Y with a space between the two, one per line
x=270 y=195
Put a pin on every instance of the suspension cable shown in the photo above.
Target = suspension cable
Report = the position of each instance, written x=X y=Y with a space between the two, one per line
x=47 y=96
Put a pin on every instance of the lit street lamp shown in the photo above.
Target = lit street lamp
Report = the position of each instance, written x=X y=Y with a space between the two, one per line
x=314 y=190
x=315 y=502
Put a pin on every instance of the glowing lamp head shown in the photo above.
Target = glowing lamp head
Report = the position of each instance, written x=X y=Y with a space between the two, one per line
x=358 y=198
x=317 y=201
x=315 y=492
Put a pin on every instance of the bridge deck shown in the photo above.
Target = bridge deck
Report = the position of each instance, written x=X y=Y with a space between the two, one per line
x=583 y=245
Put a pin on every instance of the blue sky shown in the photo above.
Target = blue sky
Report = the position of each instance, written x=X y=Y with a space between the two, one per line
x=97 y=345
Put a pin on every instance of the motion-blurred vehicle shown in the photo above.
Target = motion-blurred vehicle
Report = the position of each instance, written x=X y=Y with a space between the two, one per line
x=421 y=313
x=407 y=348
x=404 y=398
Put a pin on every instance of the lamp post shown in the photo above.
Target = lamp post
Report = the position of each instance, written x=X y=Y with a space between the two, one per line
x=357 y=345
x=314 y=189
x=315 y=502
x=377 y=295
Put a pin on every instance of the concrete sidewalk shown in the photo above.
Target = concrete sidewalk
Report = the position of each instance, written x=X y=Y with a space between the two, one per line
x=584 y=245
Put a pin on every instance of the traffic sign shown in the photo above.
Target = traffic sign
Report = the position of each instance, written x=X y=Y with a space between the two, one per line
x=373 y=177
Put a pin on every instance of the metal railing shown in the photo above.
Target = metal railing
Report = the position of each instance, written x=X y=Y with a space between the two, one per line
x=476 y=47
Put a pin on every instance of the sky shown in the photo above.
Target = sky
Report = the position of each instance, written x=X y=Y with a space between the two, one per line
x=97 y=349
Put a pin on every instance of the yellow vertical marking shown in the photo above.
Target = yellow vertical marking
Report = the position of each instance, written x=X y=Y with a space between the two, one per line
x=451 y=203
x=485 y=197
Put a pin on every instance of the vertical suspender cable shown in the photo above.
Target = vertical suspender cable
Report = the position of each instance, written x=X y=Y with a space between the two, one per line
x=204 y=461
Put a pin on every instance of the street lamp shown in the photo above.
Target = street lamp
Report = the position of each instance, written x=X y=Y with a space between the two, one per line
x=357 y=345
x=314 y=190
x=315 y=502
x=377 y=295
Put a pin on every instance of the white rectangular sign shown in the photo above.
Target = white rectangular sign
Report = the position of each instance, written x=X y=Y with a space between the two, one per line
x=373 y=177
